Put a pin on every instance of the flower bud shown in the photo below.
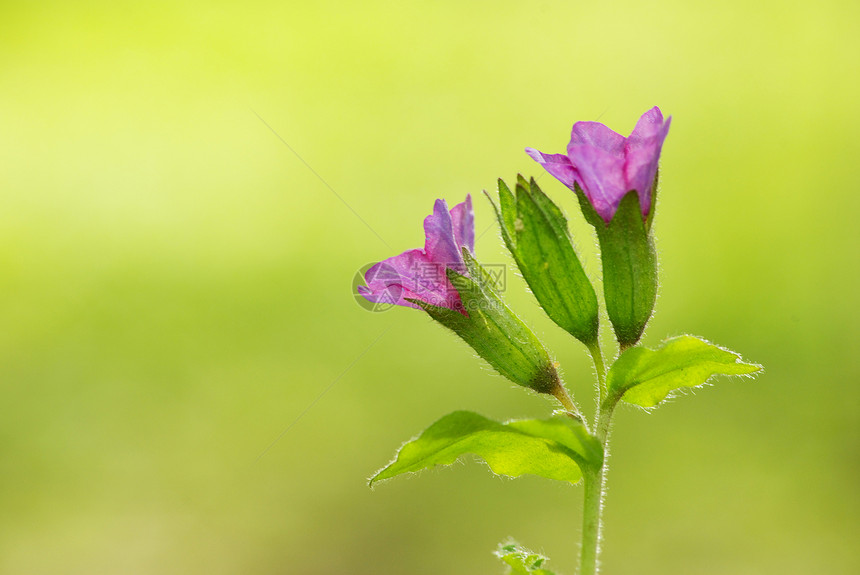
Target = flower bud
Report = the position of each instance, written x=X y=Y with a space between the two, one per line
x=629 y=266
x=495 y=332
x=536 y=233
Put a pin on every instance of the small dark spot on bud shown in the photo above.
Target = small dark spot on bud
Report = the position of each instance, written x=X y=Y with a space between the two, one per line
x=546 y=380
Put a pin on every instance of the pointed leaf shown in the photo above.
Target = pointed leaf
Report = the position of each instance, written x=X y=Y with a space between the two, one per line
x=555 y=448
x=645 y=377
x=567 y=432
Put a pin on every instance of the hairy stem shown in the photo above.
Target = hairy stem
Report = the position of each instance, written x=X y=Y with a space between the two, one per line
x=592 y=512
x=561 y=394
x=600 y=368
x=595 y=489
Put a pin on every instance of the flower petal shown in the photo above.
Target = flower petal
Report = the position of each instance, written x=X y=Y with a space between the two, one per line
x=413 y=275
x=558 y=165
x=598 y=155
x=596 y=135
x=439 y=241
x=463 y=223
x=601 y=176
x=642 y=152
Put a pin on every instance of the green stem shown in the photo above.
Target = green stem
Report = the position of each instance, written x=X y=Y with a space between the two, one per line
x=592 y=513
x=600 y=368
x=595 y=490
x=560 y=393
x=604 y=418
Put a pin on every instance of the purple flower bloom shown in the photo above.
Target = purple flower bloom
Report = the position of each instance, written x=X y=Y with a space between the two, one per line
x=606 y=165
x=420 y=274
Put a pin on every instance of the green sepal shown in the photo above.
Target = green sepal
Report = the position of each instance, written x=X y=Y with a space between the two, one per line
x=494 y=331
x=555 y=448
x=536 y=233
x=649 y=219
x=591 y=215
x=645 y=377
x=521 y=181
x=521 y=561
x=507 y=216
x=629 y=263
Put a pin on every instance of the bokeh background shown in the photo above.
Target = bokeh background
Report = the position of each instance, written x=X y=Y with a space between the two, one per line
x=187 y=189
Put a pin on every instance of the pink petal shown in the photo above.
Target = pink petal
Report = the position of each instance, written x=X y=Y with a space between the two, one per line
x=439 y=241
x=596 y=135
x=642 y=152
x=558 y=165
x=410 y=275
x=601 y=174
x=421 y=274
x=463 y=223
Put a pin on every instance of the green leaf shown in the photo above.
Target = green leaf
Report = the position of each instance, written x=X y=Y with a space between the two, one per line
x=522 y=561
x=567 y=432
x=554 y=448
x=645 y=377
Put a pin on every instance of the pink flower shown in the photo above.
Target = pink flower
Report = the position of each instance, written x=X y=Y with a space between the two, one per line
x=420 y=274
x=606 y=165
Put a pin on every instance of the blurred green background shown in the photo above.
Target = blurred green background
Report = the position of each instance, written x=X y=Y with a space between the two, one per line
x=175 y=282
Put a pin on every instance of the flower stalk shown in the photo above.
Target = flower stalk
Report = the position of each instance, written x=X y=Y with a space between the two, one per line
x=592 y=516
x=594 y=478
x=599 y=368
